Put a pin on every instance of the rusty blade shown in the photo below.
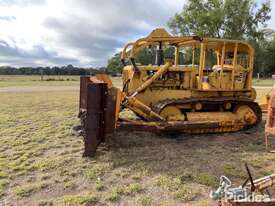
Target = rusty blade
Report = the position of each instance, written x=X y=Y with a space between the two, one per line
x=94 y=127
x=114 y=99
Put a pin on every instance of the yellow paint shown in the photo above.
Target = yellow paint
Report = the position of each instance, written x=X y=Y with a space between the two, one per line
x=231 y=77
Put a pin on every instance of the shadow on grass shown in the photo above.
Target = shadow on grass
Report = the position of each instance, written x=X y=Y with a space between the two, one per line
x=213 y=154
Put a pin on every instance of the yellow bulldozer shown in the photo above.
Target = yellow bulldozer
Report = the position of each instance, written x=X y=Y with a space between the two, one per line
x=192 y=85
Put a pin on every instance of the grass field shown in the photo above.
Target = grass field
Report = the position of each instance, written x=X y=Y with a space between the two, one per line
x=41 y=163
x=35 y=80
x=31 y=80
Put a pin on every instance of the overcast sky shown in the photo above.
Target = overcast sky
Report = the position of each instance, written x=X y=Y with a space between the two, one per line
x=79 y=32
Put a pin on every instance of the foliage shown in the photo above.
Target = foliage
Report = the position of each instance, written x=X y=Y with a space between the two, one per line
x=264 y=55
x=144 y=57
x=64 y=70
x=268 y=58
x=114 y=65
x=234 y=19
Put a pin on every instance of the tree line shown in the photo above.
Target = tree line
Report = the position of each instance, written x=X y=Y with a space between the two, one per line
x=230 y=19
x=63 y=70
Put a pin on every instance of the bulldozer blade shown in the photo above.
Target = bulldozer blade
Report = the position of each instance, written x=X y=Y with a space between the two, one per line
x=105 y=78
x=99 y=108
x=114 y=99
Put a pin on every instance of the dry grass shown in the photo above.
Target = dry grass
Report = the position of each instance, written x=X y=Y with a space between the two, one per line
x=35 y=80
x=41 y=163
x=52 y=80
x=263 y=82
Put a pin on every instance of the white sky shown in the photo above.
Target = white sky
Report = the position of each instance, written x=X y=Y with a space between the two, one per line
x=78 y=32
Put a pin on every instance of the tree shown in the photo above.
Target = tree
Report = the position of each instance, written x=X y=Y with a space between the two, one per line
x=114 y=64
x=143 y=57
x=234 y=19
x=64 y=70
x=267 y=58
x=146 y=56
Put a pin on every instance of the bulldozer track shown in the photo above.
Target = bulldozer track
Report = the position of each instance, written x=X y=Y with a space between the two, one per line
x=158 y=107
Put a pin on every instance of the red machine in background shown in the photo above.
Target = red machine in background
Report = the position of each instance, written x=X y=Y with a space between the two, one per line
x=270 y=118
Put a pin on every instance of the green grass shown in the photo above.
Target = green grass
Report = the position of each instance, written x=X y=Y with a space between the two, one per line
x=115 y=193
x=167 y=182
x=3 y=175
x=41 y=162
x=132 y=189
x=76 y=200
x=3 y=186
x=28 y=189
x=179 y=190
x=206 y=179
x=96 y=171
x=123 y=190
x=145 y=201
x=184 y=194
x=233 y=171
